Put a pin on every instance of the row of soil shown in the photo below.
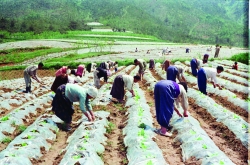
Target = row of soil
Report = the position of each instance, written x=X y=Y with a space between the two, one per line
x=234 y=81
x=228 y=105
x=246 y=77
x=220 y=134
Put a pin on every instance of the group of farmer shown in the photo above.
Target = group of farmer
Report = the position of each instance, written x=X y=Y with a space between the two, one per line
x=168 y=94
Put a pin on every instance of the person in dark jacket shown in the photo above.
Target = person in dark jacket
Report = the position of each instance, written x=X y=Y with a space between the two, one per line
x=99 y=73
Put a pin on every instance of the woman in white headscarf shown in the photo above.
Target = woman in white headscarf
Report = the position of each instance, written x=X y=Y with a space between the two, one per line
x=66 y=94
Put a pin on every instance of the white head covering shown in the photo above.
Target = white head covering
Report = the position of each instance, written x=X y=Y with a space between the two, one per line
x=92 y=91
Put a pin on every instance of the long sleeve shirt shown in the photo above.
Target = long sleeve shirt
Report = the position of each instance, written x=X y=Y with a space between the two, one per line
x=76 y=93
x=198 y=62
x=31 y=71
x=128 y=81
x=211 y=73
x=180 y=71
x=182 y=99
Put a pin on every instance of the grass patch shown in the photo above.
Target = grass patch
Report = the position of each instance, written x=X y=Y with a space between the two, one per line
x=6 y=140
x=72 y=57
x=242 y=57
x=23 y=54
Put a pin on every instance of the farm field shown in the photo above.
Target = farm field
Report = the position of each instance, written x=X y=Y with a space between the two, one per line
x=216 y=131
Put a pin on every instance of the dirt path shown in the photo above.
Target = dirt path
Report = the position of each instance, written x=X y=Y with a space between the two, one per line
x=219 y=133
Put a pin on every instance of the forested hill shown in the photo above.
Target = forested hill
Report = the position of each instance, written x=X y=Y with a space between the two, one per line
x=195 y=21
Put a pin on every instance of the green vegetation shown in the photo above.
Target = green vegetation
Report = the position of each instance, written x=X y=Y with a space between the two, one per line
x=4 y=118
x=242 y=57
x=6 y=140
x=72 y=57
x=189 y=21
x=22 y=128
x=111 y=126
x=23 y=54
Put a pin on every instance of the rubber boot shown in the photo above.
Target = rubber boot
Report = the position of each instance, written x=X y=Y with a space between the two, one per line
x=27 y=90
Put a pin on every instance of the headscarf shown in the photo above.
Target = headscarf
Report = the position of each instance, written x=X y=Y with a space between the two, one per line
x=92 y=91
x=80 y=70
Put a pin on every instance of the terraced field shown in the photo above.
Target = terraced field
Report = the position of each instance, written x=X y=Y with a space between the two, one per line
x=216 y=131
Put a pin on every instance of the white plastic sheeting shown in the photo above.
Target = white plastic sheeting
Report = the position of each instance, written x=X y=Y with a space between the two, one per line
x=234 y=122
x=141 y=148
x=28 y=144
x=18 y=115
x=230 y=96
x=195 y=141
x=85 y=142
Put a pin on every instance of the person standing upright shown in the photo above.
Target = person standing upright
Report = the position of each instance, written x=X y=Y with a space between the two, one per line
x=31 y=72
x=217 y=51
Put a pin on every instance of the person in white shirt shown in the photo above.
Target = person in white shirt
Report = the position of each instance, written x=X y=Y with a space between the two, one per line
x=176 y=71
x=120 y=82
x=206 y=73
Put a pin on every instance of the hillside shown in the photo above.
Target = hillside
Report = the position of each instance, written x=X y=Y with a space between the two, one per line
x=213 y=22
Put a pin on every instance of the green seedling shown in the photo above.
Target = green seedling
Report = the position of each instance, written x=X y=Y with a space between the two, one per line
x=13 y=123
x=199 y=138
x=30 y=137
x=236 y=116
x=143 y=146
x=213 y=155
x=125 y=161
x=5 y=118
x=150 y=156
x=110 y=127
x=224 y=110
x=244 y=126
x=150 y=162
x=76 y=156
x=204 y=146
x=221 y=162
x=82 y=148
x=192 y=132
x=24 y=144
x=22 y=128
x=141 y=133
x=6 y=140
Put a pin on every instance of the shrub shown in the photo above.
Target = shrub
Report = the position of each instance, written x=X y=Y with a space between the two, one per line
x=242 y=57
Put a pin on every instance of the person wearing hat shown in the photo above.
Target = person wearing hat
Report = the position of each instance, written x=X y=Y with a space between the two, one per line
x=66 y=94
